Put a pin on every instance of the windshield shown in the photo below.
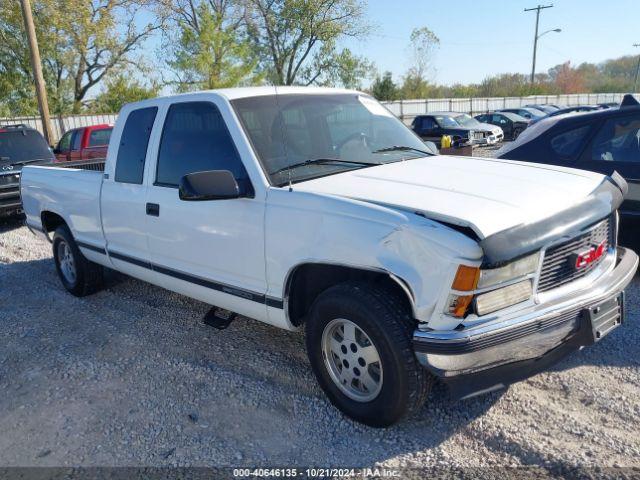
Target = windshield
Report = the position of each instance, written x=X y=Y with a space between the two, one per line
x=535 y=113
x=467 y=121
x=22 y=146
x=291 y=129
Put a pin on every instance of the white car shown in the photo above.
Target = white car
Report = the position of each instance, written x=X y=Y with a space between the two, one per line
x=317 y=209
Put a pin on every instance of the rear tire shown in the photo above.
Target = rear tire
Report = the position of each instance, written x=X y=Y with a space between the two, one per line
x=78 y=275
x=516 y=133
x=358 y=339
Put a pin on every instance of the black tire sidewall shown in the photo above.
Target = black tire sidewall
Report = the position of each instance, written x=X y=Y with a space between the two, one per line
x=516 y=133
x=391 y=403
x=63 y=234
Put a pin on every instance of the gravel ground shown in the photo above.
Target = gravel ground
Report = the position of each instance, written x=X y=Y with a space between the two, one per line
x=131 y=376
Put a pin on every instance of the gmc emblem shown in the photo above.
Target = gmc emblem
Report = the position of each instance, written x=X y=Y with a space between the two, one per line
x=589 y=256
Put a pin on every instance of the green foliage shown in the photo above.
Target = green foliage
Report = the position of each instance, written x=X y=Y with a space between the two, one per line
x=80 y=42
x=384 y=88
x=119 y=90
x=297 y=40
x=211 y=51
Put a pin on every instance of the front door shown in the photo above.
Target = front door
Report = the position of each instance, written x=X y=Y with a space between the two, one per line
x=211 y=250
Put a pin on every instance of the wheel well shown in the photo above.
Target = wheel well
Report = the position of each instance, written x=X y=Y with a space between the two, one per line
x=309 y=280
x=51 y=221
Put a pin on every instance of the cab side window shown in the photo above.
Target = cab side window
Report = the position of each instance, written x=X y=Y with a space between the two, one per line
x=618 y=140
x=428 y=123
x=134 y=141
x=195 y=139
x=568 y=143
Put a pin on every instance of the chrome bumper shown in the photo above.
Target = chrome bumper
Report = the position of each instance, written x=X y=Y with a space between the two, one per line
x=524 y=338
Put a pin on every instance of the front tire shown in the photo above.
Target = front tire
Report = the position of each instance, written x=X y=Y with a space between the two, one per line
x=78 y=275
x=358 y=339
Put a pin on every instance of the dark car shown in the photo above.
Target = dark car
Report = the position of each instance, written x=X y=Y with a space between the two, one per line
x=512 y=124
x=603 y=141
x=19 y=145
x=434 y=126
x=544 y=108
x=576 y=109
x=526 y=112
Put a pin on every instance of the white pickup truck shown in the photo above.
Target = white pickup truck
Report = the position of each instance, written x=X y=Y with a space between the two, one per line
x=318 y=209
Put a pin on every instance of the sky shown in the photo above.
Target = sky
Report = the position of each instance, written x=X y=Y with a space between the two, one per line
x=484 y=37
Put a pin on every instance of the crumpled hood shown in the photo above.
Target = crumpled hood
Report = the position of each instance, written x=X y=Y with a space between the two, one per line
x=487 y=195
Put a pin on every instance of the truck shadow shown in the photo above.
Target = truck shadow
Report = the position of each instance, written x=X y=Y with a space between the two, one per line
x=150 y=367
x=11 y=223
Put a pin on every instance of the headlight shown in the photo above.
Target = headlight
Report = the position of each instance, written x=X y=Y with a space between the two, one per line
x=503 y=297
x=471 y=134
x=483 y=288
x=511 y=271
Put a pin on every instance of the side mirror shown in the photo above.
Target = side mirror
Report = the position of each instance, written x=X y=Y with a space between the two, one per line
x=209 y=185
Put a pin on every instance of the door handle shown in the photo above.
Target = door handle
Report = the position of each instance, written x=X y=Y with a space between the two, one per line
x=153 y=209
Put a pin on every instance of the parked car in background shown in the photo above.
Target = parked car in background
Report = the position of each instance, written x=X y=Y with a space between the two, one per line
x=602 y=141
x=566 y=110
x=609 y=105
x=511 y=124
x=526 y=112
x=434 y=125
x=492 y=134
x=19 y=145
x=318 y=210
x=84 y=143
x=544 y=108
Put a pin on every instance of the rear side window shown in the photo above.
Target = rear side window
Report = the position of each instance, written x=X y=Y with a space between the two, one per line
x=99 y=138
x=567 y=144
x=195 y=139
x=133 y=145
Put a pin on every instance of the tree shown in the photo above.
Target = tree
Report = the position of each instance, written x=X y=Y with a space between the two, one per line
x=384 y=88
x=298 y=39
x=81 y=41
x=211 y=49
x=120 y=90
x=566 y=78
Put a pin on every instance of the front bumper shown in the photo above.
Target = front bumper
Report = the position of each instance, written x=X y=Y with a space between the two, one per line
x=490 y=356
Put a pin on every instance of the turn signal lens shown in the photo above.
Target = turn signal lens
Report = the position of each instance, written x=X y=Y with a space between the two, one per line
x=458 y=305
x=466 y=278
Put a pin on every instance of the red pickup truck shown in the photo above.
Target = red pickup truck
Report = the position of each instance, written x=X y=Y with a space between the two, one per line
x=83 y=143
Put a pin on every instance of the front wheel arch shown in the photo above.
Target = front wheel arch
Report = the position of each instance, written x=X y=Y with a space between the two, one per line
x=306 y=281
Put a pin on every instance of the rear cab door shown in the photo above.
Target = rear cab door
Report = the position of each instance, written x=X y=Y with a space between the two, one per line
x=124 y=189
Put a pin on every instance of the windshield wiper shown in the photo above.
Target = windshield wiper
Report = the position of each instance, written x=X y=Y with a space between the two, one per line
x=323 y=161
x=401 y=148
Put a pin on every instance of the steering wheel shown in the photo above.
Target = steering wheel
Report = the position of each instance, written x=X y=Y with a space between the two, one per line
x=366 y=139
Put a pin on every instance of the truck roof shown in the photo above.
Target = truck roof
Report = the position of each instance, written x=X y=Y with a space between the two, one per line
x=245 y=92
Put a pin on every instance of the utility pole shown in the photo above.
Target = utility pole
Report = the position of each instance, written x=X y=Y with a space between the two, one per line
x=535 y=38
x=635 y=82
x=41 y=91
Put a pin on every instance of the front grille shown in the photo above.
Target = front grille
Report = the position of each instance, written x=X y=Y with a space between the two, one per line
x=558 y=267
x=9 y=191
x=478 y=135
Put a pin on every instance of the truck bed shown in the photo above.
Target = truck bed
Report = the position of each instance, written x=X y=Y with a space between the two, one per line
x=71 y=192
